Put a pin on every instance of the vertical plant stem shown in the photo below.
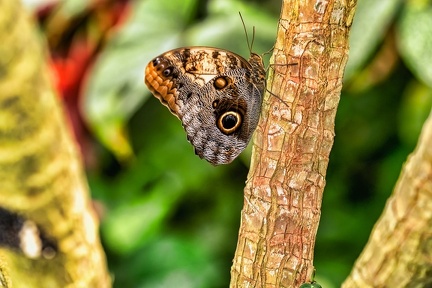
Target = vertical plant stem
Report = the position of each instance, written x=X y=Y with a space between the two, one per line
x=292 y=144
x=41 y=175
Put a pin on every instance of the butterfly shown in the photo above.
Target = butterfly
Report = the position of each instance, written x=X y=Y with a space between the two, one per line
x=216 y=94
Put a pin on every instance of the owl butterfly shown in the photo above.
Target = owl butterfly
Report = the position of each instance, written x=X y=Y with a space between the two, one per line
x=216 y=94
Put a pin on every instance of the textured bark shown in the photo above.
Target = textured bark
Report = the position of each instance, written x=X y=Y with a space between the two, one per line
x=399 y=250
x=4 y=275
x=292 y=144
x=41 y=174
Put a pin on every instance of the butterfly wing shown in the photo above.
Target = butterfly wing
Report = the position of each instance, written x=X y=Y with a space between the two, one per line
x=216 y=95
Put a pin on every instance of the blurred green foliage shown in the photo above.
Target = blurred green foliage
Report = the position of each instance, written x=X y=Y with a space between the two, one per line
x=170 y=219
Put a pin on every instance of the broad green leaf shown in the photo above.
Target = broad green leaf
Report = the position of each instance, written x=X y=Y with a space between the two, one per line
x=128 y=226
x=417 y=103
x=415 y=39
x=116 y=88
x=371 y=22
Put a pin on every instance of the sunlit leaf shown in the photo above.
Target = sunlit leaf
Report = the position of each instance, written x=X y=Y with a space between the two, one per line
x=415 y=39
x=417 y=104
x=73 y=7
x=371 y=22
x=36 y=4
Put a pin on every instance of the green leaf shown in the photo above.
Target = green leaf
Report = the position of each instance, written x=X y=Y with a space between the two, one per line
x=171 y=261
x=116 y=88
x=223 y=28
x=371 y=23
x=415 y=108
x=415 y=39
x=129 y=226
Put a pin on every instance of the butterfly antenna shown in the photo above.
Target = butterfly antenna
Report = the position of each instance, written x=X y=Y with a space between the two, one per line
x=247 y=37
x=253 y=38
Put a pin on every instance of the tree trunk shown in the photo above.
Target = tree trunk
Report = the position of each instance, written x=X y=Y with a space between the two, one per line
x=292 y=144
x=41 y=175
x=399 y=251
